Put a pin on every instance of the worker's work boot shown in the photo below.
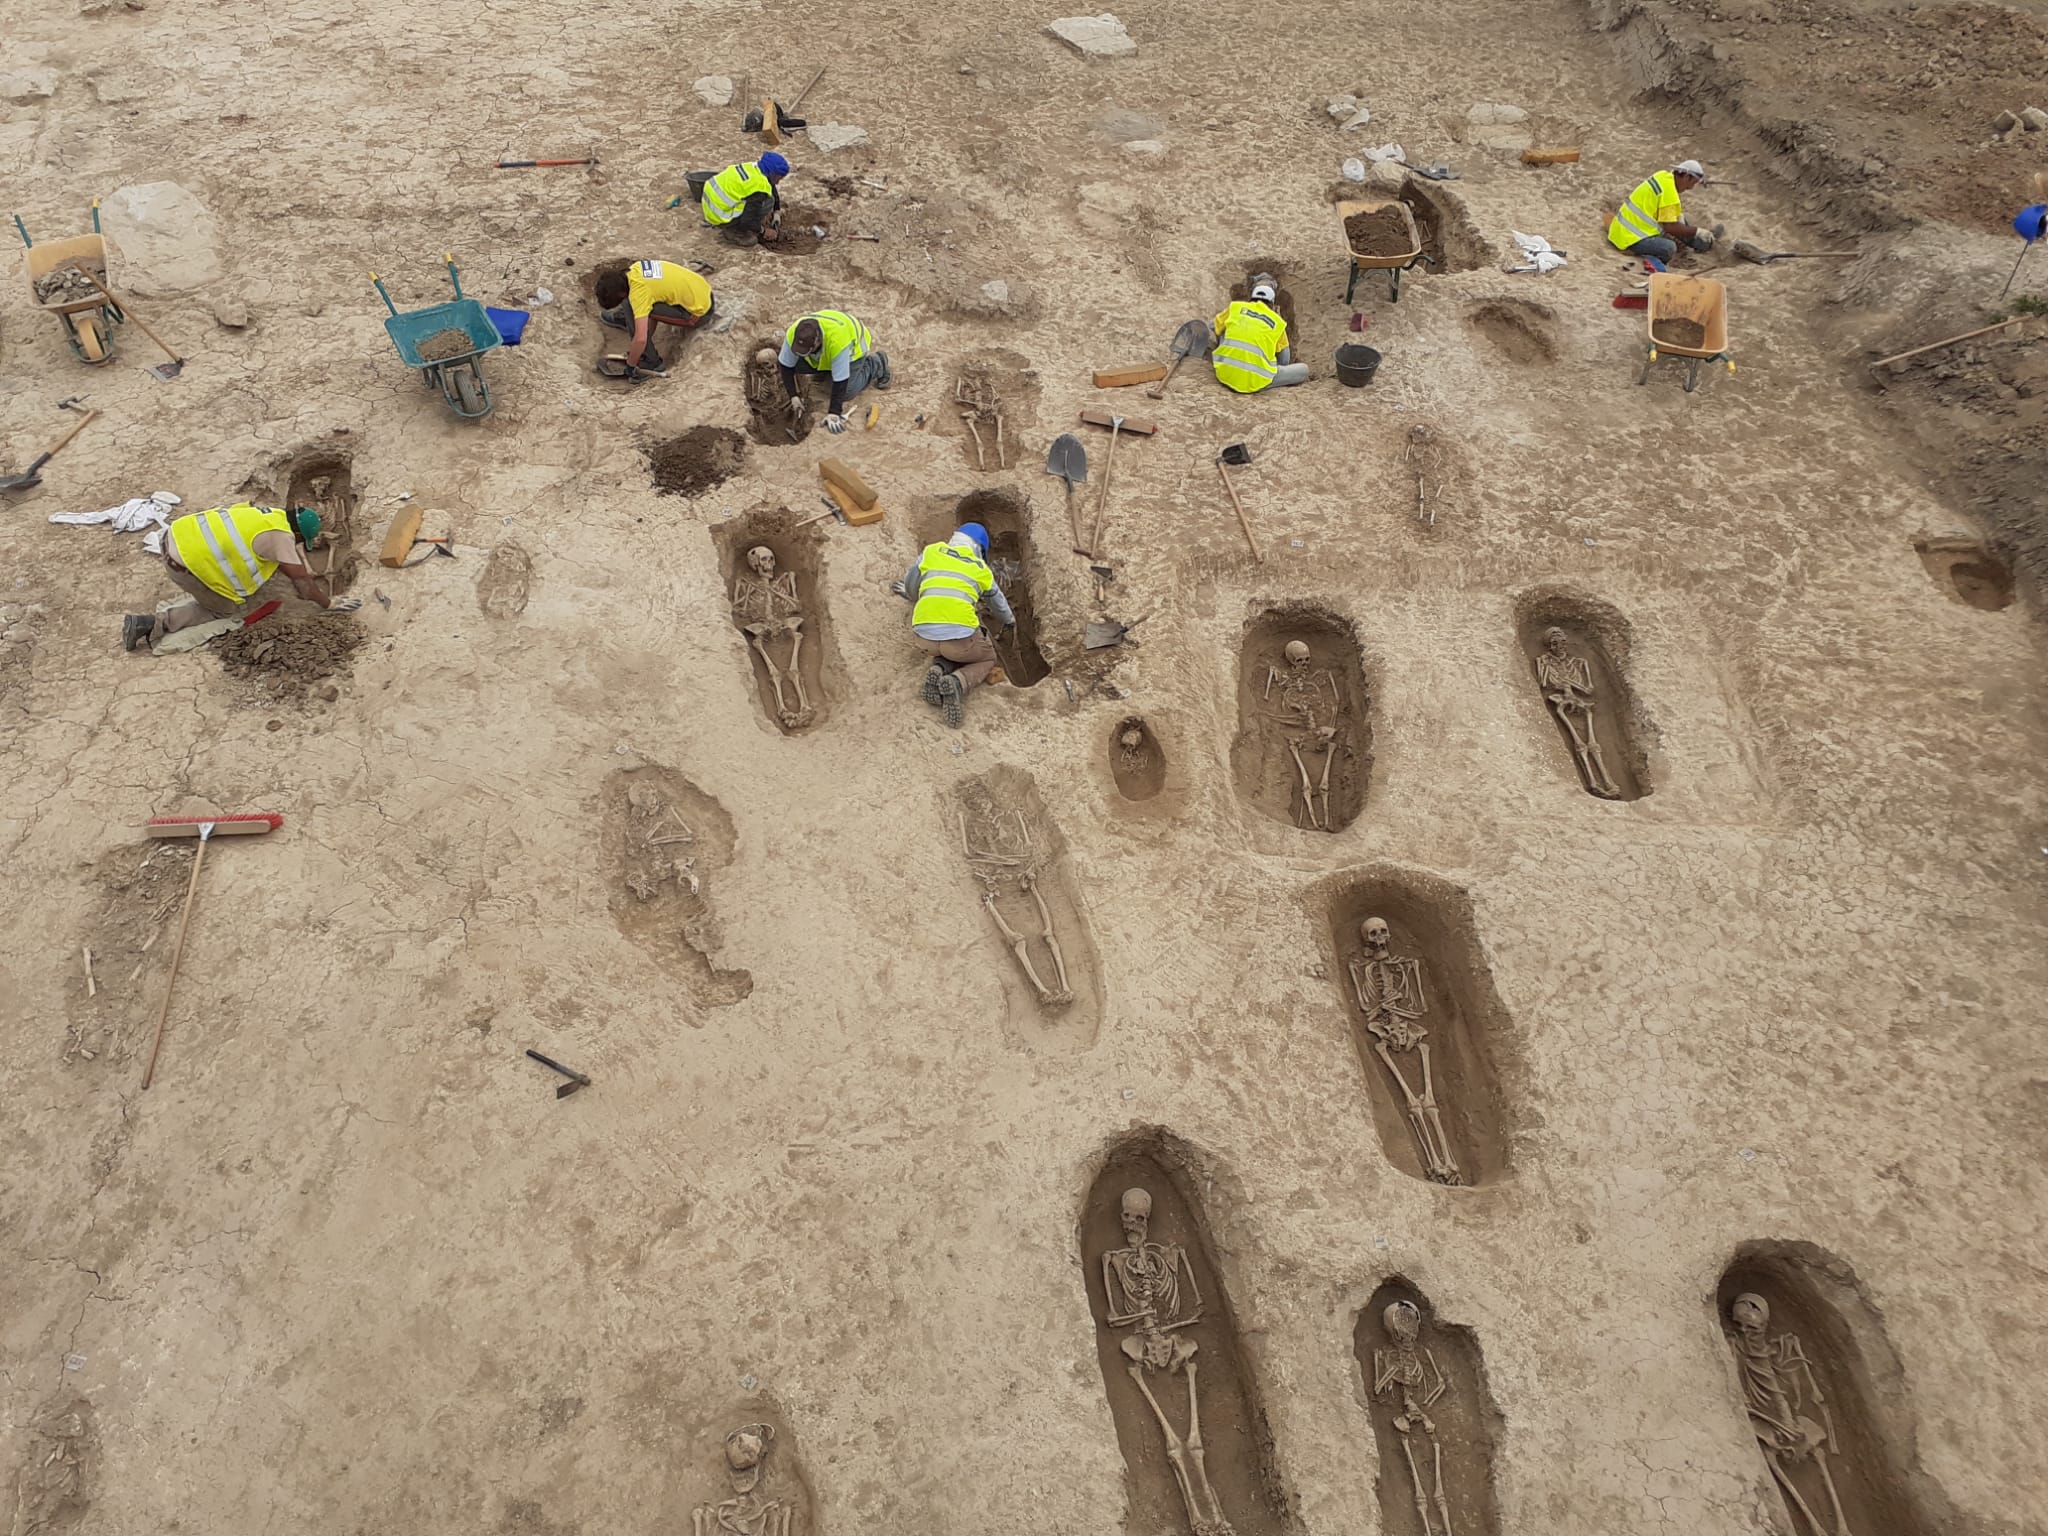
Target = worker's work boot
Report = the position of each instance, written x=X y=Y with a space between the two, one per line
x=883 y=377
x=934 y=677
x=953 y=700
x=620 y=319
x=135 y=628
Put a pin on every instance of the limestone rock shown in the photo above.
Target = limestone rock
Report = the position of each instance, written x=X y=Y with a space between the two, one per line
x=1120 y=125
x=830 y=137
x=231 y=314
x=165 y=236
x=1146 y=149
x=2005 y=122
x=28 y=84
x=713 y=90
x=2034 y=118
x=996 y=292
x=1495 y=112
x=1093 y=37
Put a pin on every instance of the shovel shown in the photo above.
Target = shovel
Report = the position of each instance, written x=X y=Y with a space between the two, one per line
x=1069 y=460
x=1239 y=454
x=33 y=475
x=1764 y=258
x=169 y=370
x=1192 y=339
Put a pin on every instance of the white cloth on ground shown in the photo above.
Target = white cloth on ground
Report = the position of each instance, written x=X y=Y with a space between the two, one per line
x=1541 y=257
x=132 y=516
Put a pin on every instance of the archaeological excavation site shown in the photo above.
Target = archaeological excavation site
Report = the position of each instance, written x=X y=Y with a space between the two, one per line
x=1212 y=771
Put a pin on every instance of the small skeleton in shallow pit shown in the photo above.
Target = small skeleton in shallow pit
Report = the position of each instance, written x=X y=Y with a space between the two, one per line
x=1309 y=706
x=1130 y=748
x=1407 y=1380
x=765 y=606
x=1783 y=1395
x=1011 y=860
x=1153 y=1285
x=1567 y=684
x=1429 y=461
x=1389 y=992
x=746 y=1513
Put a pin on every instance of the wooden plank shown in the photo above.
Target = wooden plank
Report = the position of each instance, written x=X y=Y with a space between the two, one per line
x=1551 y=156
x=398 y=539
x=838 y=472
x=771 y=122
x=1095 y=416
x=857 y=516
x=1137 y=373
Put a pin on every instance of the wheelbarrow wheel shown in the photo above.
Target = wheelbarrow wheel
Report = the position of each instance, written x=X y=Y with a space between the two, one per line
x=469 y=392
x=92 y=344
x=1692 y=376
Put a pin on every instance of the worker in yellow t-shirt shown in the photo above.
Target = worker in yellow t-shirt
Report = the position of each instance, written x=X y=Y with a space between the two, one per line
x=647 y=294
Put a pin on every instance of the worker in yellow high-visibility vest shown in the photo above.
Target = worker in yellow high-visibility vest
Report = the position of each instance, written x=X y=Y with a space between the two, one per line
x=232 y=560
x=952 y=586
x=1250 y=351
x=647 y=294
x=830 y=341
x=1651 y=221
x=743 y=202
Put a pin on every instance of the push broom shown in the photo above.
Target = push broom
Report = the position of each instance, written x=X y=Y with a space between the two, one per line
x=205 y=828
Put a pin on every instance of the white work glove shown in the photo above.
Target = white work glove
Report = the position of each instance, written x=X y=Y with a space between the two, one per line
x=343 y=605
x=835 y=423
x=795 y=407
x=1703 y=240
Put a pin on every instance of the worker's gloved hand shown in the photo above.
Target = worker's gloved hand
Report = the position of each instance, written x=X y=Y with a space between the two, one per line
x=1703 y=239
x=835 y=422
x=344 y=605
x=795 y=407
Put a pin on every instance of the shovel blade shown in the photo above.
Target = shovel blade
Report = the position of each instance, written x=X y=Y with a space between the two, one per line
x=169 y=370
x=1235 y=454
x=1068 y=459
x=1192 y=339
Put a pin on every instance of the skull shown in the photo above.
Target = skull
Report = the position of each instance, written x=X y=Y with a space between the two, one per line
x=1376 y=934
x=1403 y=1322
x=1554 y=640
x=1131 y=739
x=1297 y=653
x=745 y=1449
x=762 y=559
x=1751 y=1312
x=1136 y=1211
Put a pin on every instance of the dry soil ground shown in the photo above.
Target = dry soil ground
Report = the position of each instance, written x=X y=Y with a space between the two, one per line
x=350 y=1266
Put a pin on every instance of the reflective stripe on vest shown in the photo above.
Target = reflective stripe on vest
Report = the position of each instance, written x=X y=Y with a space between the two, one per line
x=1246 y=359
x=1637 y=218
x=841 y=331
x=726 y=193
x=950 y=584
x=218 y=547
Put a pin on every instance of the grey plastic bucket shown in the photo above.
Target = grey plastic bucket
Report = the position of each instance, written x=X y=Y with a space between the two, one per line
x=1356 y=364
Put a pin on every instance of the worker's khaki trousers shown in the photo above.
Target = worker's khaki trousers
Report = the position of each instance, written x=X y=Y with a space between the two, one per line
x=973 y=658
x=209 y=604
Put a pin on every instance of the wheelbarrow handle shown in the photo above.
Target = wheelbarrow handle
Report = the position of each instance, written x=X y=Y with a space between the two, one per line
x=453 y=277
x=384 y=293
x=95 y=215
x=23 y=229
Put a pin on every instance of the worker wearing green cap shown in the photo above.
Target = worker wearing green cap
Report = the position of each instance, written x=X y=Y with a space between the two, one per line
x=230 y=560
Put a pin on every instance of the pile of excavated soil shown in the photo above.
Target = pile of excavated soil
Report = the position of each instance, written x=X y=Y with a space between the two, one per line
x=800 y=235
x=288 y=659
x=1379 y=232
x=697 y=461
x=443 y=345
x=1679 y=333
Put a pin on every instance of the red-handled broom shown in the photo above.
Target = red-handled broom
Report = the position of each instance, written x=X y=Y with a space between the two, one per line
x=205 y=828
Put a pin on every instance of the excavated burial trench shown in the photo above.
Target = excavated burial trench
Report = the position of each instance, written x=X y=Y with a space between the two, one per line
x=1260 y=757
x=1136 y=760
x=1597 y=635
x=1007 y=517
x=796 y=553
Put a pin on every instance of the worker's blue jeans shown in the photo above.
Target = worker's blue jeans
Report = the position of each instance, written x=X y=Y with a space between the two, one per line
x=1657 y=247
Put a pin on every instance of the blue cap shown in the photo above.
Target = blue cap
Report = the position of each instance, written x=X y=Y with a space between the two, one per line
x=977 y=533
x=2031 y=223
x=773 y=164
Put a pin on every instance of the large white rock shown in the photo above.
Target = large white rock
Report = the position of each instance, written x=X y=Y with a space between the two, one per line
x=28 y=84
x=1146 y=149
x=165 y=235
x=1095 y=37
x=1495 y=112
x=713 y=90
x=827 y=137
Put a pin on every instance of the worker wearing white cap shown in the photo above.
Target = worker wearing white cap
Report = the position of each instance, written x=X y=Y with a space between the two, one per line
x=1651 y=223
x=1249 y=349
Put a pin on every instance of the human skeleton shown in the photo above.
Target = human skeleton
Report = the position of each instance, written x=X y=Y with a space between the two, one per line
x=1011 y=857
x=1567 y=684
x=1389 y=992
x=1782 y=1392
x=1153 y=1285
x=1307 y=695
x=766 y=605
x=746 y=1513
x=1399 y=1372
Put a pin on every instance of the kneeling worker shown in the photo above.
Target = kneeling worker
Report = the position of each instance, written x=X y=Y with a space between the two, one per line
x=835 y=343
x=1251 y=351
x=951 y=584
x=1650 y=221
x=647 y=294
x=744 y=202
x=228 y=558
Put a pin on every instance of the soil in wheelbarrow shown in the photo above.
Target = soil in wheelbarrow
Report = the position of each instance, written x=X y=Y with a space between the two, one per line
x=1379 y=232
x=442 y=345
x=700 y=460
x=1679 y=332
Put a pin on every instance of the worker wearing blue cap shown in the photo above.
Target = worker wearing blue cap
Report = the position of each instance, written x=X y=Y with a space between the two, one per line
x=743 y=202
x=951 y=585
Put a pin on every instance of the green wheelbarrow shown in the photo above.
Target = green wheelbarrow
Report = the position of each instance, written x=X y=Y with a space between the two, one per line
x=454 y=363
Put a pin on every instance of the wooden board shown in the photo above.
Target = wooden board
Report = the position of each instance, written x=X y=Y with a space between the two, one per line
x=857 y=515
x=1120 y=378
x=1550 y=157
x=1095 y=416
x=771 y=122
x=838 y=472
x=398 y=538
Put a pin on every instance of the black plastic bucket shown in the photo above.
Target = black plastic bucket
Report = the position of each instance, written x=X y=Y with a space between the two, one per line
x=1356 y=364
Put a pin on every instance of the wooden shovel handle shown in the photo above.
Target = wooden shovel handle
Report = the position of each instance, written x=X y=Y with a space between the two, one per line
x=1158 y=391
x=93 y=278
x=1950 y=341
x=1242 y=521
x=57 y=447
x=178 y=954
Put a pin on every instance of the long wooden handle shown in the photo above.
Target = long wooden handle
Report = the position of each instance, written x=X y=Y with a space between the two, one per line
x=1102 y=501
x=58 y=446
x=1158 y=391
x=93 y=278
x=1950 y=341
x=800 y=95
x=1074 y=522
x=178 y=954
x=1242 y=521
